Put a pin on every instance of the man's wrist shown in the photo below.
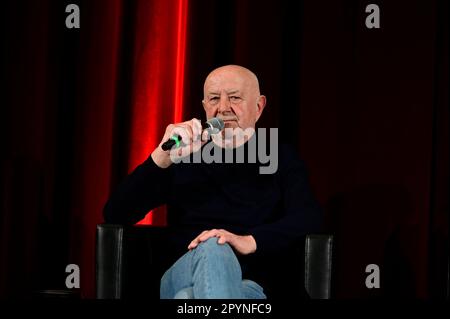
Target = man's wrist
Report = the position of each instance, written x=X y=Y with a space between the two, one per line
x=161 y=158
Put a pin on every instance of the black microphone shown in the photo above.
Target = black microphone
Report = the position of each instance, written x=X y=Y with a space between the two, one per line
x=213 y=126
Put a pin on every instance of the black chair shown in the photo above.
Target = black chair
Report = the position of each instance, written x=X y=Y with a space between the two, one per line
x=128 y=262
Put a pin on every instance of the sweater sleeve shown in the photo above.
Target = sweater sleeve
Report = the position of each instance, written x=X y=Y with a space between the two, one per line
x=300 y=213
x=147 y=187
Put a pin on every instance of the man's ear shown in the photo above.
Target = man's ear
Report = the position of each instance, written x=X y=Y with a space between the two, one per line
x=260 y=104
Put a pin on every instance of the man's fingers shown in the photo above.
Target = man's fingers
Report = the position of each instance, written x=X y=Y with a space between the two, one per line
x=197 y=145
x=208 y=235
x=185 y=131
x=204 y=236
x=195 y=242
x=242 y=244
x=196 y=128
x=222 y=240
x=197 y=239
x=205 y=135
x=191 y=134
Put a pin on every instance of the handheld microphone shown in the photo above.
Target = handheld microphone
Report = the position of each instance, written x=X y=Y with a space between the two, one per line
x=212 y=126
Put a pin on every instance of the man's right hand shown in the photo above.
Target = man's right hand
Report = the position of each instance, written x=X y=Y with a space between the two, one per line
x=193 y=138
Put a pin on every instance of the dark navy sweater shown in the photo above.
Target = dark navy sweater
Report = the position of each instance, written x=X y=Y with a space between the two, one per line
x=276 y=209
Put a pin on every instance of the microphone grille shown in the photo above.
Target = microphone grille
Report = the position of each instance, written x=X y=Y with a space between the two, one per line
x=215 y=125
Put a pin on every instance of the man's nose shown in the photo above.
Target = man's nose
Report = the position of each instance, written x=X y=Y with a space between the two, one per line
x=224 y=104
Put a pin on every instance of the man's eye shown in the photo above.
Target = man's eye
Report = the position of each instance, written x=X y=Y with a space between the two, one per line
x=235 y=98
x=214 y=98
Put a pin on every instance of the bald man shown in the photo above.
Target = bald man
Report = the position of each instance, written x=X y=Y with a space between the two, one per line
x=229 y=222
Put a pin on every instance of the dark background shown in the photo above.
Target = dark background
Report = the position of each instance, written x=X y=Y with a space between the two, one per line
x=367 y=108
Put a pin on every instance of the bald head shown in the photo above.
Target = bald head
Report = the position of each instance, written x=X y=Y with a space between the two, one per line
x=238 y=73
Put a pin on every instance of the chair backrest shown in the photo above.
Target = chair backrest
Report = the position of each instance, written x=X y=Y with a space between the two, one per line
x=318 y=265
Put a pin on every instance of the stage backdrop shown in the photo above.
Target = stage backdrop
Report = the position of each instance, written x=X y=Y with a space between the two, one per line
x=366 y=108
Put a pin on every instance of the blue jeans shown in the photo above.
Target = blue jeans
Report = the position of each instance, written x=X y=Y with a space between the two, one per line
x=210 y=271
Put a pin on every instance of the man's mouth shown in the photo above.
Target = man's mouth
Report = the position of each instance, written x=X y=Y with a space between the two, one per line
x=230 y=123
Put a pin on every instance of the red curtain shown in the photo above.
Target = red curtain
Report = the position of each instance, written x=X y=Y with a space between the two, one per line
x=158 y=78
x=86 y=112
x=93 y=132
x=379 y=109
x=157 y=75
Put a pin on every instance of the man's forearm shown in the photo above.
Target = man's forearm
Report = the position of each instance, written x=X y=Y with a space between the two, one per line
x=141 y=191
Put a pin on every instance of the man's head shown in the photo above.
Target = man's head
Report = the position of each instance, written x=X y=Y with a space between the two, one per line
x=231 y=93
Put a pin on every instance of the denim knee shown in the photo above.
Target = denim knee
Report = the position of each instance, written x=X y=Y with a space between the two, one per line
x=211 y=247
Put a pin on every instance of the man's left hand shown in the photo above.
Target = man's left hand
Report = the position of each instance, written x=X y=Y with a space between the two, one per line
x=242 y=244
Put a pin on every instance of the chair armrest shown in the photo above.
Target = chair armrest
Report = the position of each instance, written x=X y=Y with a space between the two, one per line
x=109 y=258
x=318 y=265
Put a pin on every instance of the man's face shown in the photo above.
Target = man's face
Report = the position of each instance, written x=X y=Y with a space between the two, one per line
x=233 y=95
